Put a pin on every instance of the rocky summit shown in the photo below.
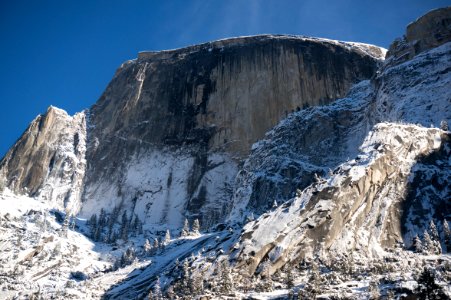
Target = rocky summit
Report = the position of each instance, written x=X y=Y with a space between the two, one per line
x=260 y=167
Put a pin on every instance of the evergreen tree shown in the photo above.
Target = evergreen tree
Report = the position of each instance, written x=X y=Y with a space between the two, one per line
x=447 y=235
x=124 y=227
x=186 y=282
x=65 y=224
x=433 y=231
x=185 y=230
x=147 y=248
x=102 y=218
x=156 y=244
x=157 y=294
x=225 y=277
x=92 y=222
x=428 y=245
x=128 y=257
x=198 y=283
x=113 y=217
x=136 y=226
x=312 y=287
x=167 y=238
x=427 y=288
x=196 y=226
x=444 y=125
x=417 y=244
x=274 y=205
x=290 y=278
x=373 y=288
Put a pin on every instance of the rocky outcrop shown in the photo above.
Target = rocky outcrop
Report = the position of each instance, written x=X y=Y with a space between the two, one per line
x=429 y=31
x=357 y=208
x=48 y=161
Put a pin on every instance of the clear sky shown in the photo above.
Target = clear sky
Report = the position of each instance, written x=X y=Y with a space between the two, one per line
x=64 y=53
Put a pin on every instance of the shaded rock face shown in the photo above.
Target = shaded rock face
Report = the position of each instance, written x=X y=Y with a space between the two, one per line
x=48 y=161
x=429 y=31
x=224 y=94
x=428 y=192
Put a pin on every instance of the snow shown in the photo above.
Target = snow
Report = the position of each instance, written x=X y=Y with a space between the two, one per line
x=368 y=49
x=155 y=188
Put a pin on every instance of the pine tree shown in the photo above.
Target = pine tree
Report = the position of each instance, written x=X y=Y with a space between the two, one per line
x=157 y=294
x=92 y=222
x=185 y=287
x=167 y=238
x=185 y=230
x=113 y=217
x=198 y=283
x=147 y=248
x=65 y=224
x=155 y=247
x=427 y=288
x=312 y=288
x=373 y=288
x=274 y=205
x=290 y=278
x=428 y=245
x=225 y=277
x=433 y=231
x=196 y=226
x=124 y=227
x=128 y=257
x=444 y=125
x=417 y=244
x=102 y=218
x=447 y=235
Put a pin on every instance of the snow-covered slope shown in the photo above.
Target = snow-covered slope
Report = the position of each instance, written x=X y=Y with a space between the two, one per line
x=357 y=208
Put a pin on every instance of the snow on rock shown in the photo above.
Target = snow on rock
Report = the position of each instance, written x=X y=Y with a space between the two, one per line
x=161 y=185
x=38 y=258
x=343 y=212
x=52 y=161
x=308 y=142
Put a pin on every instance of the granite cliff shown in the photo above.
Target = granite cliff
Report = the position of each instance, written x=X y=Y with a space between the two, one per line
x=165 y=139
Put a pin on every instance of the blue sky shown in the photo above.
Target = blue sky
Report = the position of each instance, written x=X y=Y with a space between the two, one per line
x=64 y=53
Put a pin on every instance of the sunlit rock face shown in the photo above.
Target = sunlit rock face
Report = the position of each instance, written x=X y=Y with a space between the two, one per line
x=48 y=161
x=429 y=31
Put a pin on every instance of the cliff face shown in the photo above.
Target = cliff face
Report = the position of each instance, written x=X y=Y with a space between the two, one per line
x=226 y=93
x=197 y=110
x=48 y=161
x=165 y=139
